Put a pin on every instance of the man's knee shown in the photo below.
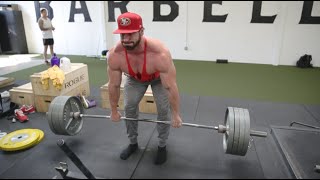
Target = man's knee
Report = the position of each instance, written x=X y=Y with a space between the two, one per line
x=162 y=102
x=131 y=106
x=131 y=110
x=163 y=111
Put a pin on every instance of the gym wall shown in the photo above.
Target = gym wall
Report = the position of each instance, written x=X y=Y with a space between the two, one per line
x=271 y=32
x=74 y=38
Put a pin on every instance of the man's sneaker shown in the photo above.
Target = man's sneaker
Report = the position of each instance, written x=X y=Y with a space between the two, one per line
x=128 y=151
x=161 y=156
x=28 y=109
x=20 y=116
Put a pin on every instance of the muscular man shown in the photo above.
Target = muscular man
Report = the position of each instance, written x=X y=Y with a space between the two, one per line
x=146 y=61
x=46 y=27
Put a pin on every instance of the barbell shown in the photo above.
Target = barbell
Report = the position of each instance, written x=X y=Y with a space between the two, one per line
x=66 y=113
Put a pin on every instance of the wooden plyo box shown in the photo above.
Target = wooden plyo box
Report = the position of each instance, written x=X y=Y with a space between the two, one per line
x=22 y=95
x=74 y=78
x=146 y=105
x=105 y=103
x=42 y=103
x=6 y=81
x=76 y=82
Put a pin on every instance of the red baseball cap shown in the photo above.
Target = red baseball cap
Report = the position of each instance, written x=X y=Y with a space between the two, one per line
x=128 y=23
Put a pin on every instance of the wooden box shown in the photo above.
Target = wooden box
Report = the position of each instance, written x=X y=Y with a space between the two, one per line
x=22 y=95
x=77 y=76
x=6 y=81
x=104 y=91
x=42 y=103
x=105 y=103
x=147 y=103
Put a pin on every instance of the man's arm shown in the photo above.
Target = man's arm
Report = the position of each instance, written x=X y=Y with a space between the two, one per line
x=53 y=28
x=168 y=79
x=40 y=23
x=114 y=83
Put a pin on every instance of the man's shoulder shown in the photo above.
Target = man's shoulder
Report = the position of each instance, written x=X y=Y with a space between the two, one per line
x=151 y=40
x=157 y=46
x=40 y=19
x=116 y=50
x=113 y=58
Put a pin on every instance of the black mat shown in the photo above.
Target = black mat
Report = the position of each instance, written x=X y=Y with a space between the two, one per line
x=314 y=110
x=300 y=147
x=106 y=139
x=263 y=116
x=211 y=111
x=188 y=107
x=280 y=114
x=197 y=153
x=98 y=145
x=193 y=152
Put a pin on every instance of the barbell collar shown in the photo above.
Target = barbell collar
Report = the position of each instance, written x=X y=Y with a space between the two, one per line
x=222 y=128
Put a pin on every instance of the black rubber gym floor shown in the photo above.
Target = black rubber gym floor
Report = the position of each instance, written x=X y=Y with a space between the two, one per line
x=192 y=152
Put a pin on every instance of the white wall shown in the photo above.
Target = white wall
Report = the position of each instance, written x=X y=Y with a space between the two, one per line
x=79 y=37
x=237 y=40
x=300 y=39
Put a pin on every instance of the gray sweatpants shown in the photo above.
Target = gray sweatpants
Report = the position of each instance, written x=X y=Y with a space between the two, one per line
x=133 y=92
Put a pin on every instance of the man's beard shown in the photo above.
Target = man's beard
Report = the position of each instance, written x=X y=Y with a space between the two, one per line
x=133 y=46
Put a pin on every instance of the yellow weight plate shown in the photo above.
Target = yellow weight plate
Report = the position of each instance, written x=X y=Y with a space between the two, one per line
x=41 y=135
x=2 y=134
x=20 y=139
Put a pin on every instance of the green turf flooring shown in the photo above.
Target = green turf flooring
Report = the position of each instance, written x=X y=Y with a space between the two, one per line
x=234 y=80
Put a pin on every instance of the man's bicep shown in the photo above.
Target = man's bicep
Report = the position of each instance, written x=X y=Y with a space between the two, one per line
x=168 y=75
x=114 y=76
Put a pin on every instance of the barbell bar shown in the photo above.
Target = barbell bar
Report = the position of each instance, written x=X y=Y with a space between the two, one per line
x=220 y=128
x=66 y=113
